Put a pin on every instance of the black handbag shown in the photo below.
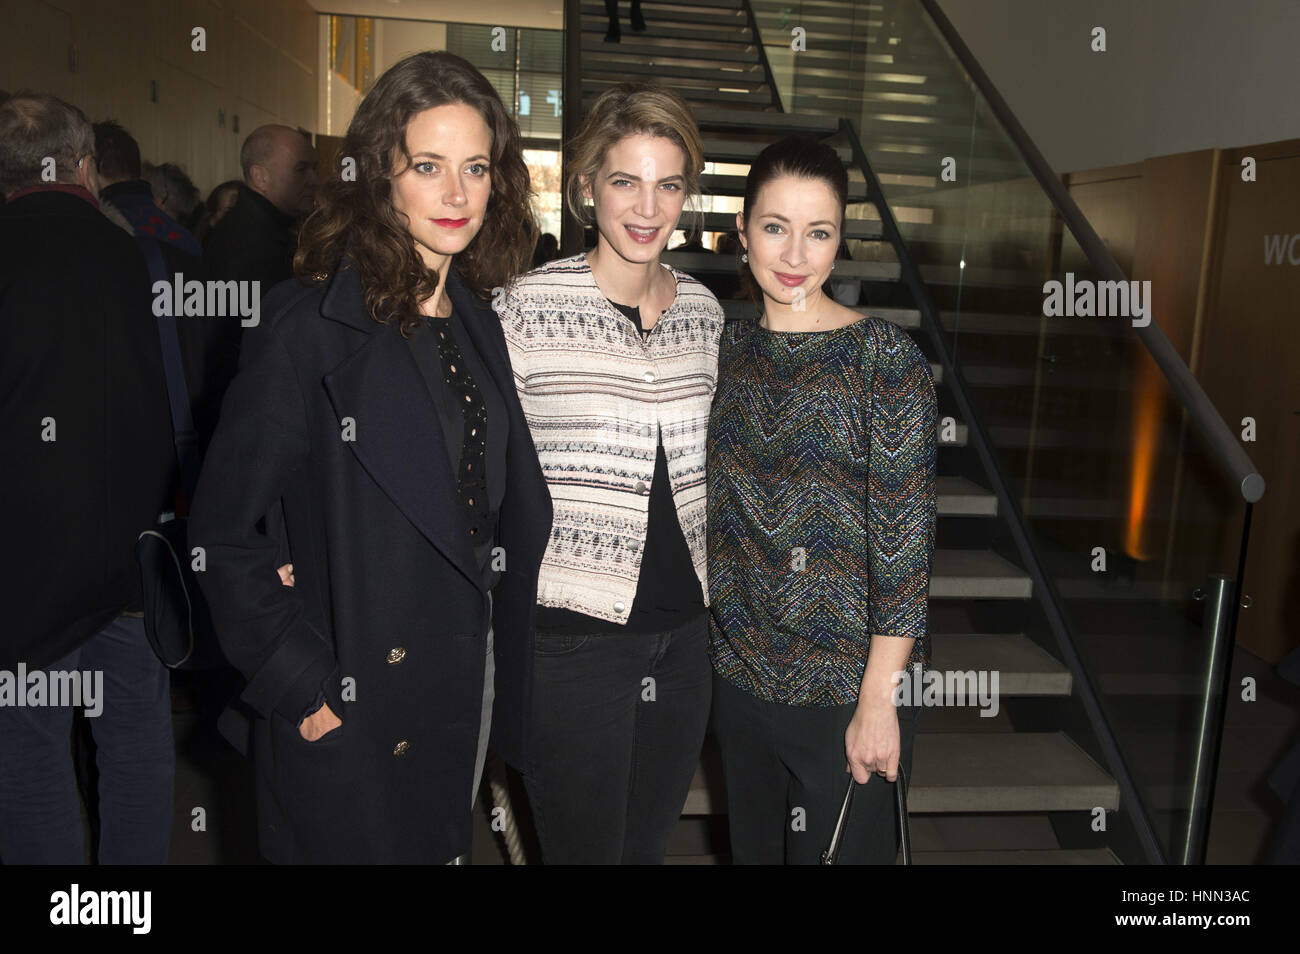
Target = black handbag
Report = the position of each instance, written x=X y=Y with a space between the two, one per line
x=832 y=851
x=176 y=617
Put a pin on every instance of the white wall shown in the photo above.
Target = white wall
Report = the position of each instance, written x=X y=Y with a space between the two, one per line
x=395 y=39
x=1178 y=75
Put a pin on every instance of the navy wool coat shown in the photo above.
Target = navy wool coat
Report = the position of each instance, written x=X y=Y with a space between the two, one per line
x=330 y=422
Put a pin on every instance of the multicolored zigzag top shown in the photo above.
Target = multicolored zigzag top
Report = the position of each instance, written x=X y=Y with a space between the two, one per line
x=821 y=506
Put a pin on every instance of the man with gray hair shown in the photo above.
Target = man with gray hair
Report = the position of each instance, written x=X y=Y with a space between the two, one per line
x=87 y=435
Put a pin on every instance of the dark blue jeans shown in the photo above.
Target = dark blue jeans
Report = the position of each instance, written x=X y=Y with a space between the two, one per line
x=779 y=759
x=617 y=724
x=40 y=814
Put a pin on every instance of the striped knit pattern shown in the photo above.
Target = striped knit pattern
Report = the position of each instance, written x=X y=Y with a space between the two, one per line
x=597 y=399
x=822 y=507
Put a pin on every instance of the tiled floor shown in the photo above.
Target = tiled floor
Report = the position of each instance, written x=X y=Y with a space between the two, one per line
x=212 y=777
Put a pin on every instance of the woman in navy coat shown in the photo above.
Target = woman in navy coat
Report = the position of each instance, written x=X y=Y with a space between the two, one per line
x=374 y=440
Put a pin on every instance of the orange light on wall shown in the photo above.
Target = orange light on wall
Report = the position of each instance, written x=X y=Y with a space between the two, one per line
x=1148 y=401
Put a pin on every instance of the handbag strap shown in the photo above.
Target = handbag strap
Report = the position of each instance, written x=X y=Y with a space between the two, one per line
x=184 y=436
x=832 y=851
x=900 y=800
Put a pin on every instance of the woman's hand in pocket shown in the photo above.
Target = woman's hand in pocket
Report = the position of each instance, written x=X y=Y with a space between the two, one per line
x=286 y=574
x=320 y=722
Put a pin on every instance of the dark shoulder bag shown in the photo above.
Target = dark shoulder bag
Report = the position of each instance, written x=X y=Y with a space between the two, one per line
x=176 y=617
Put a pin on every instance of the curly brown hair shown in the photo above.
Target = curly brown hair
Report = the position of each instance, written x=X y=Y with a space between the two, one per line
x=356 y=215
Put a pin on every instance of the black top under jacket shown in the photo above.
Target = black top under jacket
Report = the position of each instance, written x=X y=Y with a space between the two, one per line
x=668 y=593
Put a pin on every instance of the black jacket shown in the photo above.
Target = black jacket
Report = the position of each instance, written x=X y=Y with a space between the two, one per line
x=254 y=241
x=199 y=337
x=78 y=347
x=329 y=416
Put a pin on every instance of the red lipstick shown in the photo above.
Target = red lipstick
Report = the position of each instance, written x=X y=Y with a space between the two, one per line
x=450 y=223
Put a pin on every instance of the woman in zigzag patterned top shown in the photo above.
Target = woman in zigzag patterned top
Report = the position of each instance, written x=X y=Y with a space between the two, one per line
x=615 y=361
x=821 y=521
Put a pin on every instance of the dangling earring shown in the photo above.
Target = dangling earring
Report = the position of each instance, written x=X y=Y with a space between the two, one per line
x=832 y=266
x=744 y=257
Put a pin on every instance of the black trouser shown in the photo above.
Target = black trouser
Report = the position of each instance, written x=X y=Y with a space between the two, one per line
x=784 y=771
x=618 y=720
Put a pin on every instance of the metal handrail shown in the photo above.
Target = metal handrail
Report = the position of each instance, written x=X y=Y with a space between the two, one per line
x=752 y=17
x=1227 y=451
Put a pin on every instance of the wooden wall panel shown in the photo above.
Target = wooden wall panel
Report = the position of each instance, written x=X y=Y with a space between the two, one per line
x=260 y=63
x=1251 y=368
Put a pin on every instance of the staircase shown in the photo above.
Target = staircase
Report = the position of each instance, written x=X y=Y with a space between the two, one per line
x=1022 y=787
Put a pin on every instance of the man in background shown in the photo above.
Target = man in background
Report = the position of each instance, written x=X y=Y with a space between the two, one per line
x=118 y=175
x=256 y=239
x=88 y=450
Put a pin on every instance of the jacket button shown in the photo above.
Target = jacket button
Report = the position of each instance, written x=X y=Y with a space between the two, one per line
x=401 y=747
x=618 y=607
x=396 y=655
x=641 y=487
x=649 y=376
x=645 y=430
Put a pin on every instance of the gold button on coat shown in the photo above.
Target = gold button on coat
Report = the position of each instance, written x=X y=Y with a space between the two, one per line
x=401 y=747
x=396 y=655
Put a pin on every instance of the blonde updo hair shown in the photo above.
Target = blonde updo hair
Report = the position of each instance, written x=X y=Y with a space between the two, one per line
x=631 y=109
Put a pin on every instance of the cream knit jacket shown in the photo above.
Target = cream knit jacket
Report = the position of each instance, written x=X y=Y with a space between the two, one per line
x=597 y=398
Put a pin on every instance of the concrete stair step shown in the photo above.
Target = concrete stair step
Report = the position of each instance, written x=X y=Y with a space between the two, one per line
x=654 y=6
x=1009 y=376
x=744 y=151
x=617 y=69
x=1014 y=771
x=1024 y=668
x=972 y=772
x=969 y=168
x=832 y=8
x=988 y=323
x=959 y=497
x=666 y=23
x=696 y=263
x=882 y=106
x=979 y=275
x=882 y=81
x=758 y=96
x=778 y=124
x=717 y=184
x=977 y=574
x=1047 y=438
x=704 y=50
x=1003 y=831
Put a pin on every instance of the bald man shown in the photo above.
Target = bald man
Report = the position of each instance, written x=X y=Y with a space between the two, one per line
x=280 y=165
x=256 y=239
